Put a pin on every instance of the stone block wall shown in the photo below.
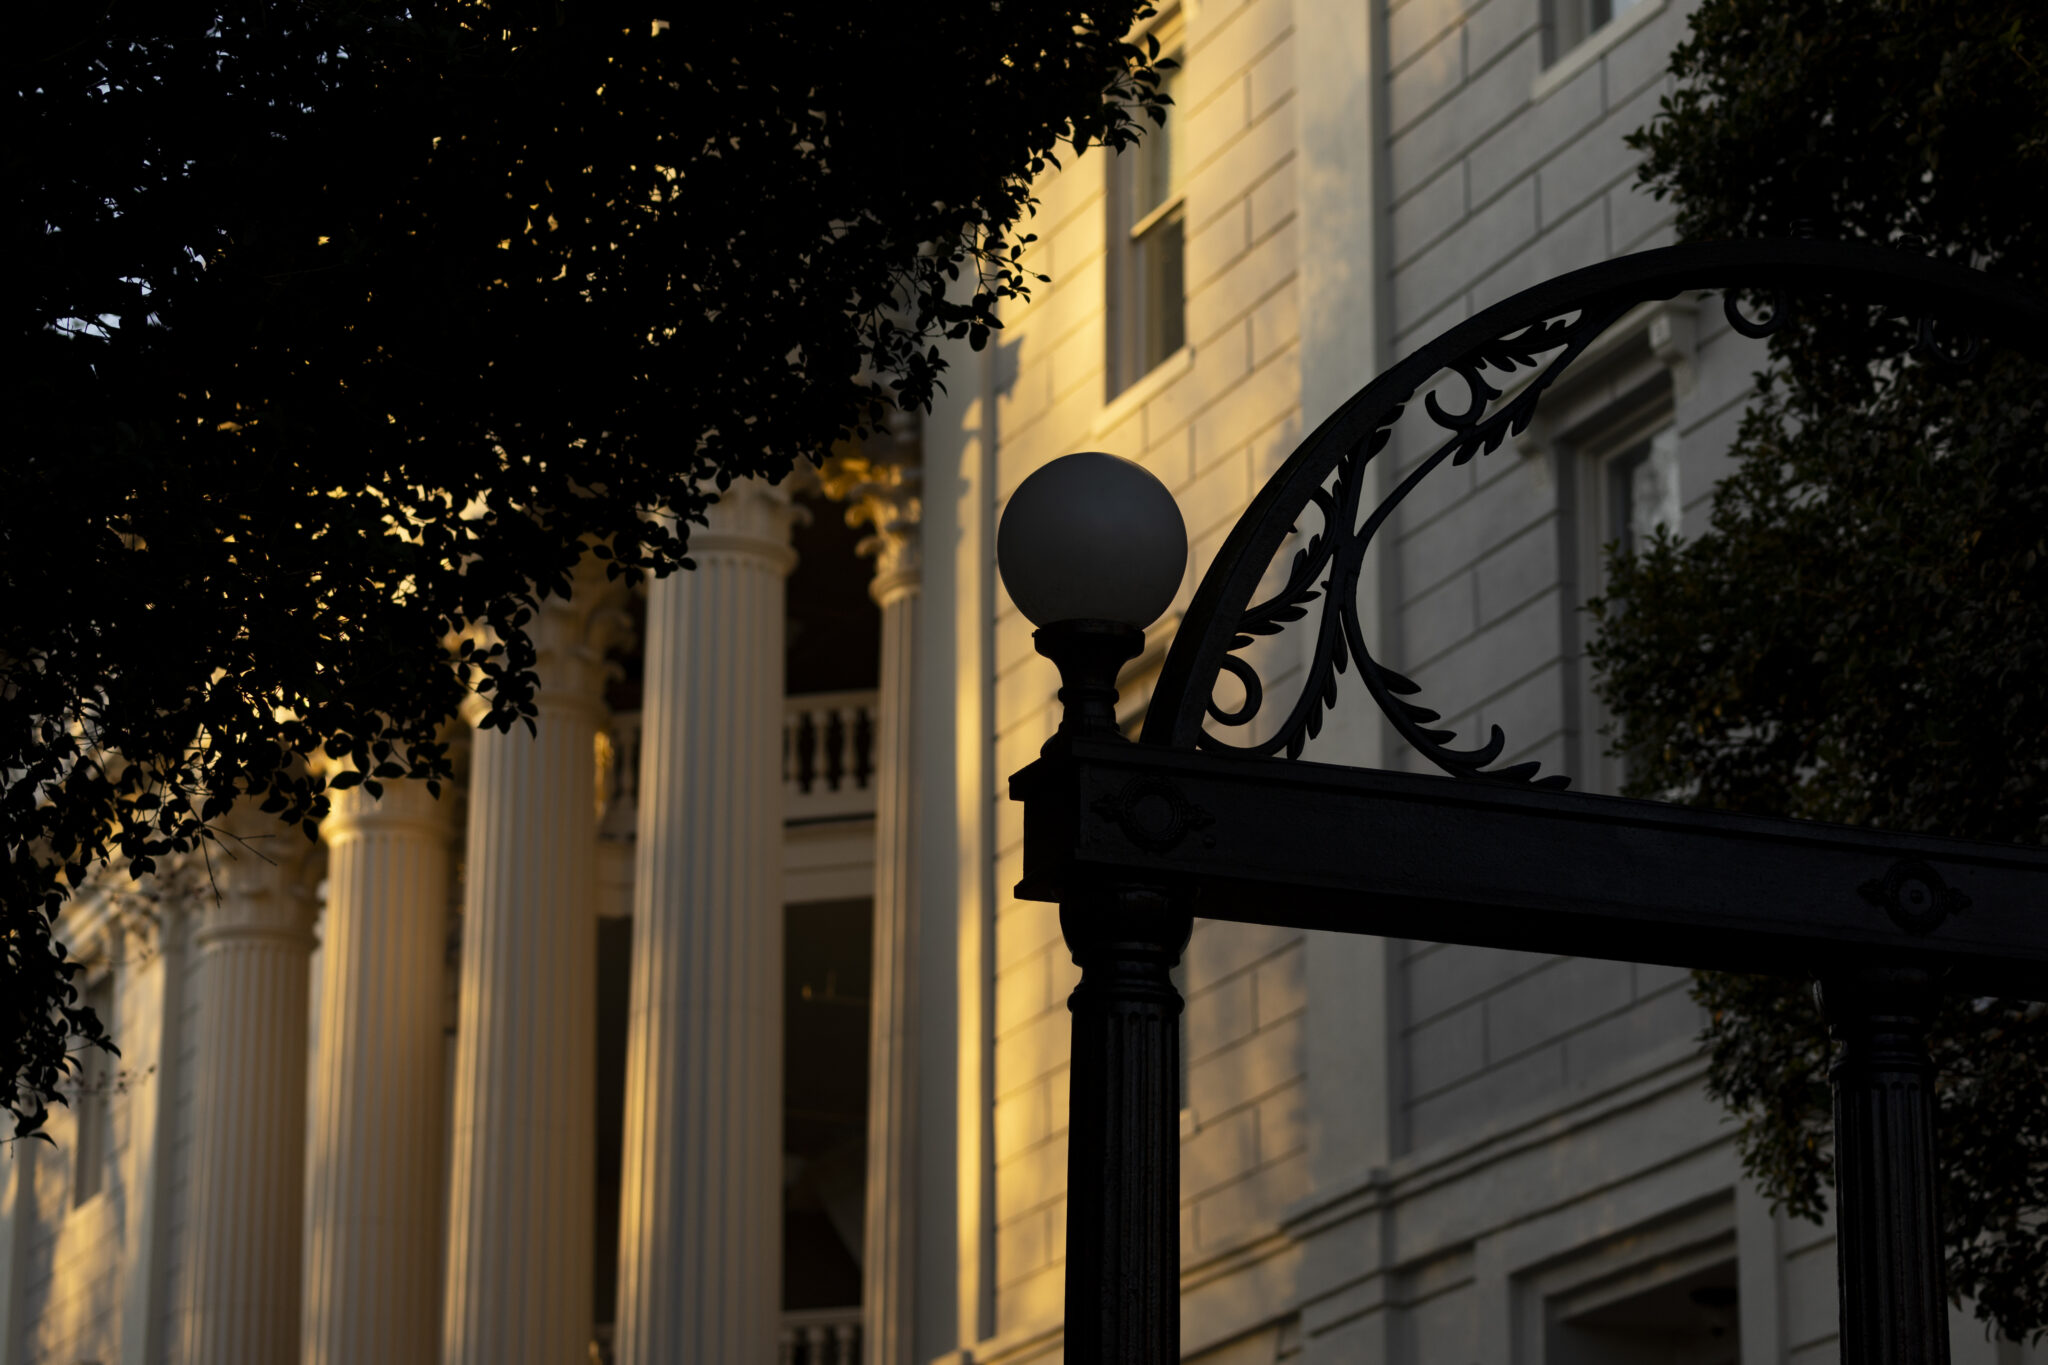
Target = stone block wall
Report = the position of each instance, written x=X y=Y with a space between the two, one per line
x=1211 y=422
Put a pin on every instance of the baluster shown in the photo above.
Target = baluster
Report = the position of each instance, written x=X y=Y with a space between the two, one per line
x=793 y=724
x=807 y=750
x=836 y=745
x=815 y=1337
x=864 y=746
x=844 y=1335
x=788 y=1346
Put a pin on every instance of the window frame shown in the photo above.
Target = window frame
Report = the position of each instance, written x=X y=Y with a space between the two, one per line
x=1569 y=25
x=1591 y=464
x=1617 y=473
x=1143 y=336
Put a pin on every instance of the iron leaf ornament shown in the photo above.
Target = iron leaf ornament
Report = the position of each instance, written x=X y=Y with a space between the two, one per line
x=1504 y=359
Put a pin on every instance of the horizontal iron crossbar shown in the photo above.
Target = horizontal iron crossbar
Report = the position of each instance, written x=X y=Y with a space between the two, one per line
x=1309 y=845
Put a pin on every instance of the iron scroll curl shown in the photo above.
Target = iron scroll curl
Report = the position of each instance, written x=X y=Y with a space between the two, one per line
x=1512 y=351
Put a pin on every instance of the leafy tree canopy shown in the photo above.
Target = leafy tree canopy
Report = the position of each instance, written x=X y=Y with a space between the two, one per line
x=342 y=330
x=1861 y=633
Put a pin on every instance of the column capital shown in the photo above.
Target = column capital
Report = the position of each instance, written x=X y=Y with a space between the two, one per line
x=570 y=635
x=262 y=873
x=405 y=805
x=899 y=559
x=750 y=518
x=882 y=491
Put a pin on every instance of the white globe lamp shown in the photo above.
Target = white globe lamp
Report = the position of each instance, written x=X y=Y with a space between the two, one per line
x=1092 y=549
x=1092 y=537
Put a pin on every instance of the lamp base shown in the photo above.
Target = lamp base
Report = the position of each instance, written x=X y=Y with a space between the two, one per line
x=1088 y=654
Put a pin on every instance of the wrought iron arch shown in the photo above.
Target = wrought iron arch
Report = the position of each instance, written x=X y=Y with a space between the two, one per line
x=1509 y=340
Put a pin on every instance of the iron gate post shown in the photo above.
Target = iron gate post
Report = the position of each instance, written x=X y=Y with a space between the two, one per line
x=1113 y=835
x=1894 y=1310
x=1123 y=1135
x=1123 y=1113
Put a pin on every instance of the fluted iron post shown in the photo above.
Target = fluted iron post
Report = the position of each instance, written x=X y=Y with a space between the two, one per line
x=1123 y=1126
x=1887 y=1223
x=1123 y=1138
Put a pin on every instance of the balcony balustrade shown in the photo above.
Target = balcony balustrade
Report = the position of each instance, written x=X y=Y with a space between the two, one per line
x=821 y=1336
x=828 y=763
x=828 y=766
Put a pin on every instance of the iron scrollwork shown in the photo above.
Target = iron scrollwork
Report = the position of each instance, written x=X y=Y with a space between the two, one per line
x=1505 y=358
x=1756 y=329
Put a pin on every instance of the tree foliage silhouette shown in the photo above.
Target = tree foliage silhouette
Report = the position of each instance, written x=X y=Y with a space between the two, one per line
x=343 y=330
x=1859 y=634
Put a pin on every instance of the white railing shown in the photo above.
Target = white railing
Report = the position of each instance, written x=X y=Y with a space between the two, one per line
x=828 y=763
x=810 y=1336
x=821 y=1336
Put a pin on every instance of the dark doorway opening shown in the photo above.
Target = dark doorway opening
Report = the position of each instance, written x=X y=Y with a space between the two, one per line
x=824 y=1101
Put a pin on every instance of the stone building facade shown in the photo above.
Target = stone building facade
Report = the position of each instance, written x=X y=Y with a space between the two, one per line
x=748 y=891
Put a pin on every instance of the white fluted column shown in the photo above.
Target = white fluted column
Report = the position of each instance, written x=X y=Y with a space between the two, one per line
x=522 y=1185
x=700 y=1217
x=373 y=1264
x=248 y=1158
x=889 y=1251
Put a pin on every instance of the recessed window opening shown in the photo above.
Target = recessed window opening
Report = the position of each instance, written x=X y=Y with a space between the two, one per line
x=1148 y=239
x=1642 y=492
x=1692 y=1319
x=1567 y=23
x=1622 y=486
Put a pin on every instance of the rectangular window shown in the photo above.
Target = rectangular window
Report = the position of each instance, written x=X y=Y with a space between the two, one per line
x=1148 y=241
x=1642 y=492
x=95 y=1101
x=1629 y=482
x=1567 y=23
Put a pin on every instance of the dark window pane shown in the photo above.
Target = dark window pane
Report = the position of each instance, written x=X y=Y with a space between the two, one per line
x=1162 y=290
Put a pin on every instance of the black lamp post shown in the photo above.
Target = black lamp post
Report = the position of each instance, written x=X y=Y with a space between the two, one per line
x=1132 y=840
x=1093 y=550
